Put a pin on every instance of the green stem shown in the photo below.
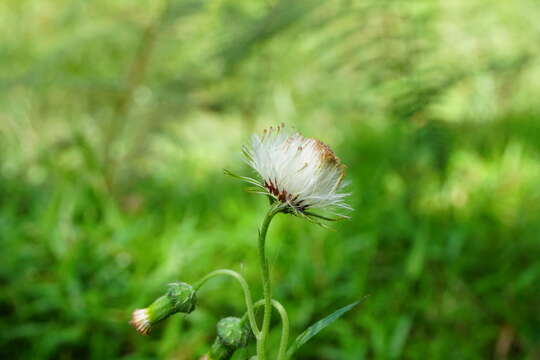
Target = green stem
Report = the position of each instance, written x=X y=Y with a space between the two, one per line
x=267 y=289
x=284 y=326
x=245 y=288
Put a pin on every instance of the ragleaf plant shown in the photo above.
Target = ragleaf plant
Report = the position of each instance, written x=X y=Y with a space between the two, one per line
x=300 y=176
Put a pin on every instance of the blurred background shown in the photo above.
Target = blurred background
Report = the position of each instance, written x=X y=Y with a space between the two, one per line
x=117 y=119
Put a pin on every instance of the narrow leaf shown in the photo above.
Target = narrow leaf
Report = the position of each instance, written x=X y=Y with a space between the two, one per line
x=318 y=326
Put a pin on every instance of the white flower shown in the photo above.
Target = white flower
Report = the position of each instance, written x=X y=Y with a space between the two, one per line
x=140 y=320
x=301 y=172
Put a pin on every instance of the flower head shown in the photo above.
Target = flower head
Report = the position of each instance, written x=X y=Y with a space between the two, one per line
x=179 y=298
x=140 y=319
x=298 y=172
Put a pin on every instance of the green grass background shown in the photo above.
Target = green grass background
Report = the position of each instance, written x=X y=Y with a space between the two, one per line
x=117 y=119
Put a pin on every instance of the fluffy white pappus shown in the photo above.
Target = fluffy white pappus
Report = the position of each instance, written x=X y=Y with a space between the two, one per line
x=140 y=320
x=301 y=172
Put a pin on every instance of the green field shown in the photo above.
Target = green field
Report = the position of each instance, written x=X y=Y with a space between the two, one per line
x=117 y=119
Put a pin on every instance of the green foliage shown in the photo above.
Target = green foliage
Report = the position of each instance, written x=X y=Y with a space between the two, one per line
x=314 y=329
x=117 y=119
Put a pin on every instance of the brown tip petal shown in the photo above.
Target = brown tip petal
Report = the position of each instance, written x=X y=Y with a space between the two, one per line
x=139 y=320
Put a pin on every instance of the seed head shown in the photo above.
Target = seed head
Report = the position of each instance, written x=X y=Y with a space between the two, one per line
x=299 y=172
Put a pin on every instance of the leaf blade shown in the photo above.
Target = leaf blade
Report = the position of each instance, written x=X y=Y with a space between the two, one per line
x=318 y=326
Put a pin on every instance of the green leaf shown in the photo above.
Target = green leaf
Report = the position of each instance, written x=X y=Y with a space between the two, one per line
x=318 y=326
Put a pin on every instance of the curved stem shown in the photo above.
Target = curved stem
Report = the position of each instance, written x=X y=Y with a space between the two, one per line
x=284 y=330
x=284 y=326
x=245 y=288
x=267 y=290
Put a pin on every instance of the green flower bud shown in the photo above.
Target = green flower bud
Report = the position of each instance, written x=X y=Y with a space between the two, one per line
x=180 y=297
x=233 y=333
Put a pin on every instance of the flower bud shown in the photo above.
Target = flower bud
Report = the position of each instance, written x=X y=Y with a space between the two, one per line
x=180 y=297
x=233 y=333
